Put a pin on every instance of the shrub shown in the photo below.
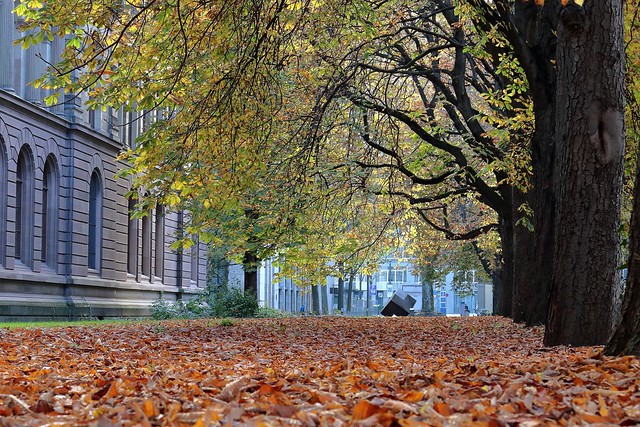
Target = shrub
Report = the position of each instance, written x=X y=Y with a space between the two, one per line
x=272 y=312
x=162 y=309
x=231 y=302
x=222 y=302
x=226 y=322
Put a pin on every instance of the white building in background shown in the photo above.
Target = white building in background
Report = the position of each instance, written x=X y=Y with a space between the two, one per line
x=370 y=293
x=449 y=302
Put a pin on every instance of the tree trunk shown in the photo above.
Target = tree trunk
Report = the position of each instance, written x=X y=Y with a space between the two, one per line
x=523 y=254
x=340 y=294
x=350 y=294
x=533 y=265
x=427 y=297
x=325 y=302
x=626 y=338
x=315 y=299
x=588 y=175
x=250 y=266
x=250 y=261
x=503 y=289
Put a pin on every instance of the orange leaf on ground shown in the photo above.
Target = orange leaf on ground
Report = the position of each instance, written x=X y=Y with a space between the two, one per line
x=413 y=396
x=484 y=371
x=150 y=409
x=364 y=409
x=442 y=408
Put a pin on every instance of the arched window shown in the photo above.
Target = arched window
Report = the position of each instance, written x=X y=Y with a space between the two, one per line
x=95 y=222
x=3 y=201
x=146 y=245
x=132 y=239
x=24 y=208
x=159 y=243
x=194 y=259
x=50 y=191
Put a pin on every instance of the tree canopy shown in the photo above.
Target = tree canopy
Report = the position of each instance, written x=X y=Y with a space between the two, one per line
x=312 y=129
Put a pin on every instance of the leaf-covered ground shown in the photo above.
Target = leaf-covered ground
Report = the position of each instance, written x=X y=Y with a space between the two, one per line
x=482 y=371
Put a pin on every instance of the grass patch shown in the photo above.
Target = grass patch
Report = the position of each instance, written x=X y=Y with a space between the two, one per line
x=65 y=323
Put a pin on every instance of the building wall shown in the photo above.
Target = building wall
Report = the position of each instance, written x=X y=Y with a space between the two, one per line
x=70 y=288
x=57 y=279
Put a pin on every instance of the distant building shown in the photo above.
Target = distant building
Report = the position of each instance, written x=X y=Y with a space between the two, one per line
x=450 y=302
x=68 y=247
x=371 y=293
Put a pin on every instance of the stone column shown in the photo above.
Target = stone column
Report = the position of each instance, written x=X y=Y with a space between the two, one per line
x=57 y=46
x=34 y=67
x=7 y=29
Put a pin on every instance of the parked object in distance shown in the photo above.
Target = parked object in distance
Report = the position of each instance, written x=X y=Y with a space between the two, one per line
x=400 y=304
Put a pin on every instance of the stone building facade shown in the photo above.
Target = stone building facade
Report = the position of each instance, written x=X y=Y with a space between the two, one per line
x=68 y=247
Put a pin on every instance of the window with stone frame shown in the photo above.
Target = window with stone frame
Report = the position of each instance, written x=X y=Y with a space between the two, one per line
x=146 y=245
x=3 y=201
x=50 y=208
x=159 y=243
x=132 y=238
x=24 y=208
x=95 y=222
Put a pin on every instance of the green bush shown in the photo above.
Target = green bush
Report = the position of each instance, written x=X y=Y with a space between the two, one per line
x=222 y=302
x=269 y=312
x=226 y=322
x=231 y=302
x=162 y=309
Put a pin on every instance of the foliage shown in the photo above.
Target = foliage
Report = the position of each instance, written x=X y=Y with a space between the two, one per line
x=632 y=119
x=300 y=371
x=214 y=302
x=162 y=309
x=226 y=322
x=275 y=123
x=232 y=302
x=268 y=312
x=434 y=256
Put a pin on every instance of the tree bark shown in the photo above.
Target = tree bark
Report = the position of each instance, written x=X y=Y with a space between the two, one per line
x=250 y=266
x=626 y=338
x=340 y=294
x=588 y=176
x=315 y=299
x=325 y=303
x=533 y=264
x=503 y=289
x=427 y=297
x=523 y=254
x=350 y=294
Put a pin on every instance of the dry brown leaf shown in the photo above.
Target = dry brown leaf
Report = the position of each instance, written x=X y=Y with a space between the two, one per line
x=442 y=408
x=420 y=371
x=364 y=409
x=232 y=390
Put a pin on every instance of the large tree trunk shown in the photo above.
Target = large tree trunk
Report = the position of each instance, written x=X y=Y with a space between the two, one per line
x=588 y=175
x=523 y=254
x=533 y=263
x=626 y=338
x=534 y=46
x=503 y=290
